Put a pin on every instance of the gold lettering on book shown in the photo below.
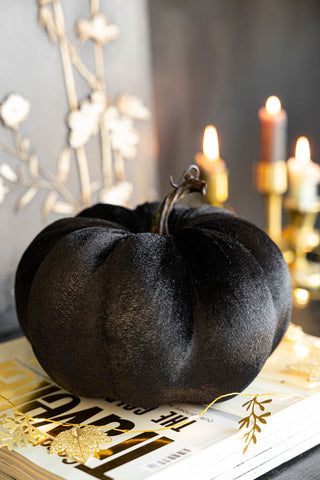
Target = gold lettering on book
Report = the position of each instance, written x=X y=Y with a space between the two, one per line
x=7 y=364
x=38 y=390
x=40 y=407
x=173 y=419
x=11 y=371
x=100 y=471
x=78 y=417
x=131 y=442
x=35 y=390
x=117 y=422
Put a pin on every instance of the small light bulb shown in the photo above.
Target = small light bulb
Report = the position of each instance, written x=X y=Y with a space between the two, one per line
x=301 y=350
x=301 y=296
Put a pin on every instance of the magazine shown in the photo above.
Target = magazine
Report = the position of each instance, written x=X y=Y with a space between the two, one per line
x=209 y=447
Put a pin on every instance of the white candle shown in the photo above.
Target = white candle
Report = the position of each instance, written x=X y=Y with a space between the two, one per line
x=304 y=176
x=209 y=160
x=213 y=168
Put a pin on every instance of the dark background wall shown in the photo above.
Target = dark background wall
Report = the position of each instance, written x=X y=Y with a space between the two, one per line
x=216 y=62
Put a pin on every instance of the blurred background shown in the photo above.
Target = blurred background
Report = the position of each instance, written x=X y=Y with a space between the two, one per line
x=193 y=63
x=216 y=63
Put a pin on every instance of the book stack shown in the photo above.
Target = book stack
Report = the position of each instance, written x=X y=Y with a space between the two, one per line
x=208 y=447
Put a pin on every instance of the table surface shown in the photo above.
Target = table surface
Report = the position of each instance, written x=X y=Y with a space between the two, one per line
x=307 y=465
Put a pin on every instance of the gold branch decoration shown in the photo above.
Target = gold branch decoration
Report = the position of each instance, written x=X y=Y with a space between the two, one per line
x=251 y=421
x=95 y=115
x=20 y=431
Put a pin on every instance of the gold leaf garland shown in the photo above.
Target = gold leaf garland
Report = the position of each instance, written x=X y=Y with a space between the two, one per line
x=79 y=444
x=20 y=431
x=252 y=420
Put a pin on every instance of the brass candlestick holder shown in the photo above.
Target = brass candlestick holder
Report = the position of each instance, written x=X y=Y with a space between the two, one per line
x=299 y=241
x=271 y=181
x=217 y=185
x=303 y=239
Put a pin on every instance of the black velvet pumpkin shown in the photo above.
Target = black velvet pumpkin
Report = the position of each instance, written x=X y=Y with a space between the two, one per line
x=112 y=309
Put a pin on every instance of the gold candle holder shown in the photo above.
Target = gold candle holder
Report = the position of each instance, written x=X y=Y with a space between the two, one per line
x=216 y=177
x=271 y=181
x=302 y=207
x=304 y=241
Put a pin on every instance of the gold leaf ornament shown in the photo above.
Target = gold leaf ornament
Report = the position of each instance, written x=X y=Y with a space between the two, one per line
x=79 y=444
x=20 y=431
x=251 y=421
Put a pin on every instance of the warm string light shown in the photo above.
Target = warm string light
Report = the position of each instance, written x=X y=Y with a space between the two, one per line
x=301 y=296
x=301 y=350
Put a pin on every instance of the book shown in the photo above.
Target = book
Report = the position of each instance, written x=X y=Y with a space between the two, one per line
x=209 y=447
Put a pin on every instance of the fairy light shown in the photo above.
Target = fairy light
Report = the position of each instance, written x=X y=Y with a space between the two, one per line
x=301 y=296
x=301 y=350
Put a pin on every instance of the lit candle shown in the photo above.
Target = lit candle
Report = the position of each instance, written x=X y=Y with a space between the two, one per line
x=213 y=168
x=273 y=136
x=304 y=175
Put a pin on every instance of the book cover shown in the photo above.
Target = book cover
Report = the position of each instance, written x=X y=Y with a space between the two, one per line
x=210 y=446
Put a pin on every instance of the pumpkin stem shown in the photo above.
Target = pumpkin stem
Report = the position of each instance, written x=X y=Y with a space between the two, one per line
x=189 y=183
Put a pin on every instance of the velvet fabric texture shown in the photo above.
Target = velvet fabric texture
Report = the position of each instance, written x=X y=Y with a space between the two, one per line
x=114 y=310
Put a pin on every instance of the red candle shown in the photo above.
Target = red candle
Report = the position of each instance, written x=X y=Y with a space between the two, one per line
x=273 y=129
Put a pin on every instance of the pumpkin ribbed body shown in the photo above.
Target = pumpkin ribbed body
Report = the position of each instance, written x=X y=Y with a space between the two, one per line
x=114 y=310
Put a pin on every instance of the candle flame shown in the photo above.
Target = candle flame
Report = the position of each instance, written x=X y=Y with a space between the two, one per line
x=273 y=105
x=211 y=143
x=302 y=150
